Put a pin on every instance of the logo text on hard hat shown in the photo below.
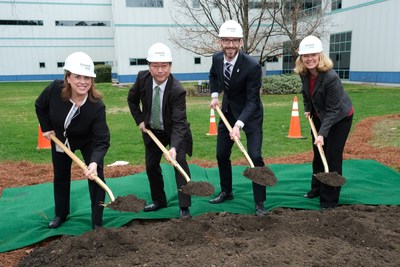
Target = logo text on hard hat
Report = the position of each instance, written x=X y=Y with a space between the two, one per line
x=162 y=54
x=85 y=66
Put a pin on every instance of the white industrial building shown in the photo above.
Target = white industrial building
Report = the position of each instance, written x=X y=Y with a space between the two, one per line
x=37 y=36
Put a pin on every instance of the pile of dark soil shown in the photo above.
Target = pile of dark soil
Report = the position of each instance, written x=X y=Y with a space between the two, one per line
x=346 y=236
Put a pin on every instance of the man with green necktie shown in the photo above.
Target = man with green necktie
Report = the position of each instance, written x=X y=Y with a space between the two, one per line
x=157 y=102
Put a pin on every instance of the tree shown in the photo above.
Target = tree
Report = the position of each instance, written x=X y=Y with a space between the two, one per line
x=204 y=17
x=298 y=19
x=266 y=24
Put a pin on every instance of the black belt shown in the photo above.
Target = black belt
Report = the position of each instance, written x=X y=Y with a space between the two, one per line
x=157 y=131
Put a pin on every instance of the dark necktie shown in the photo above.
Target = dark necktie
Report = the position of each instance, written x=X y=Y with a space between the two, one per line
x=155 y=109
x=227 y=74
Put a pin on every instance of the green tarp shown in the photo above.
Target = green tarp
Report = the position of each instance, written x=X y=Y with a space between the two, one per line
x=26 y=211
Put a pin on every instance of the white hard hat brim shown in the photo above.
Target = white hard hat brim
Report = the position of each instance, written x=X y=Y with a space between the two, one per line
x=310 y=51
x=83 y=73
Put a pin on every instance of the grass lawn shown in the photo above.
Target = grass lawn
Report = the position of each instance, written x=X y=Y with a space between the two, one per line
x=19 y=125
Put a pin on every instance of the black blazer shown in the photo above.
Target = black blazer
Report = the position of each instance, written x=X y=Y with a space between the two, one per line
x=174 y=115
x=243 y=94
x=89 y=126
x=329 y=99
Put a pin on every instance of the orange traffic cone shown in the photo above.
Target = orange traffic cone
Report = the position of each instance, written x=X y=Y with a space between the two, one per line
x=43 y=142
x=213 y=125
x=294 y=130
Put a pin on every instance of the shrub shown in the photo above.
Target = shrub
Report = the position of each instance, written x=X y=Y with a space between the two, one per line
x=103 y=73
x=281 y=84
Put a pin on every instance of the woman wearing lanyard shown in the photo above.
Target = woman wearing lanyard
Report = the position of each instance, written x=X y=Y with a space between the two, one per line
x=331 y=111
x=73 y=111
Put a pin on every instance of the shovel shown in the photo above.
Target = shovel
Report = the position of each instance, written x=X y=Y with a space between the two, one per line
x=191 y=188
x=329 y=178
x=260 y=175
x=127 y=203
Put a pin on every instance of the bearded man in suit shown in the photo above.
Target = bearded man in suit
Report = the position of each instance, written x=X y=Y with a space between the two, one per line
x=239 y=77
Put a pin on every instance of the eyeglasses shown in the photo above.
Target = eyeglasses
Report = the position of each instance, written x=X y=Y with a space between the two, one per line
x=228 y=41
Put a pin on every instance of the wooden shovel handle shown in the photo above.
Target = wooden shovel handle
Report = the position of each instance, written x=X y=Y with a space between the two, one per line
x=82 y=165
x=237 y=141
x=320 y=149
x=165 y=151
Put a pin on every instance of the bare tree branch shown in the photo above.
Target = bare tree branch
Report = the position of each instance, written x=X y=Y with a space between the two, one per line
x=266 y=24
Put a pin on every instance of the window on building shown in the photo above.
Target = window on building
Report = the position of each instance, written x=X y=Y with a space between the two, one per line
x=137 y=61
x=42 y=65
x=22 y=22
x=197 y=60
x=336 y=4
x=144 y=3
x=287 y=59
x=264 y=4
x=60 y=64
x=195 y=3
x=306 y=7
x=339 y=52
x=81 y=23
x=271 y=59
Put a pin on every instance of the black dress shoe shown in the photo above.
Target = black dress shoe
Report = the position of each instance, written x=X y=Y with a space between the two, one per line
x=154 y=206
x=184 y=213
x=328 y=206
x=312 y=194
x=56 y=222
x=260 y=210
x=221 y=198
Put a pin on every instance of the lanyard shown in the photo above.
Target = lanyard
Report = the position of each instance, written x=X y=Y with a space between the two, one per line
x=72 y=114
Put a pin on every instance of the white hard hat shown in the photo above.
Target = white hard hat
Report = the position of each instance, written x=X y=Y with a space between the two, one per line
x=159 y=52
x=80 y=63
x=231 y=28
x=310 y=45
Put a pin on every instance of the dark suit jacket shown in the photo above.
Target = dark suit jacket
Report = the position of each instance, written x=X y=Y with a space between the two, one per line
x=329 y=99
x=243 y=94
x=89 y=126
x=174 y=115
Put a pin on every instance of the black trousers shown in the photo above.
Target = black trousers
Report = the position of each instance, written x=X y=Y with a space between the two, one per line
x=224 y=151
x=154 y=172
x=62 y=185
x=333 y=148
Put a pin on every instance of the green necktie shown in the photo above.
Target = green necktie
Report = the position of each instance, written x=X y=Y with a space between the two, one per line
x=155 y=109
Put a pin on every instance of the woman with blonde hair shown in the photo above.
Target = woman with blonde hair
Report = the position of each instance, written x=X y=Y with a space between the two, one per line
x=331 y=110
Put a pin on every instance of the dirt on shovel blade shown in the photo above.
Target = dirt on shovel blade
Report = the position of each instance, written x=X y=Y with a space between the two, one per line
x=331 y=178
x=261 y=175
x=198 y=189
x=127 y=203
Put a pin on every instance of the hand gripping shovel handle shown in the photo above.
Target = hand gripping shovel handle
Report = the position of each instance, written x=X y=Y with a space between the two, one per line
x=83 y=166
x=165 y=151
x=320 y=149
x=237 y=141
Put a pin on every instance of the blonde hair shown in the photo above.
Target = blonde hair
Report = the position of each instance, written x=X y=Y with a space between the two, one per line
x=325 y=64
x=66 y=92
